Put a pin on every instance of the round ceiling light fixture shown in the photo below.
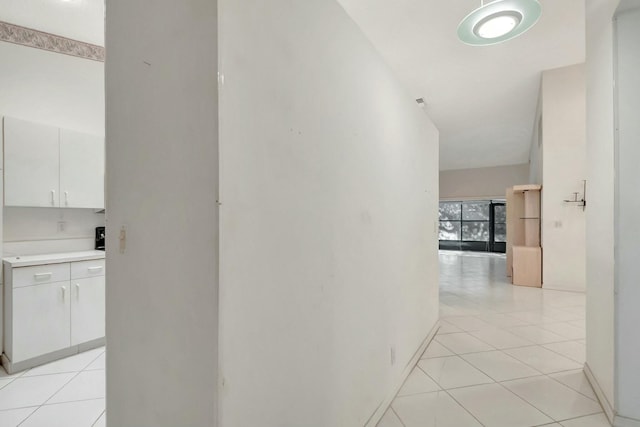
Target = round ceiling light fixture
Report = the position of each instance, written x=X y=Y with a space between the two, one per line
x=499 y=21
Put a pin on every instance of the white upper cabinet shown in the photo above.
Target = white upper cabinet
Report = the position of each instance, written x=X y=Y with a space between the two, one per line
x=81 y=170
x=31 y=160
x=50 y=167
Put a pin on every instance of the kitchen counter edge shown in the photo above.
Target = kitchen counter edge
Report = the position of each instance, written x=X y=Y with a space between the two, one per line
x=57 y=258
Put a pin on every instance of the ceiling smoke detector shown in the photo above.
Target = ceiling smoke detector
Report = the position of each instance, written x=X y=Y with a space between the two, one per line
x=499 y=21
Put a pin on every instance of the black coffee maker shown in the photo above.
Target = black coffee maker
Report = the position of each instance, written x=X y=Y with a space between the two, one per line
x=100 y=238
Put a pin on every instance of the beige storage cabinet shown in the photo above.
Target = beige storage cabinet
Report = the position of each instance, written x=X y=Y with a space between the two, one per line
x=524 y=253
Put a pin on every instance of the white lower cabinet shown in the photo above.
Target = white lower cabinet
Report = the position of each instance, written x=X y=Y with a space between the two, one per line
x=52 y=310
x=41 y=318
x=87 y=309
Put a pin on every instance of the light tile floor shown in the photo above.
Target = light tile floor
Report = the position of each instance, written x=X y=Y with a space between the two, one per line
x=66 y=393
x=505 y=356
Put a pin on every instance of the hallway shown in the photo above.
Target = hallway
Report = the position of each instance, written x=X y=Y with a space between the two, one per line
x=504 y=356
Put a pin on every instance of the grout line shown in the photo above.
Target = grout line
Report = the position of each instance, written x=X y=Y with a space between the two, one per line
x=582 y=362
x=481 y=351
x=533 y=367
x=73 y=401
x=23 y=374
x=510 y=356
x=20 y=407
x=464 y=407
x=392 y=410
x=436 y=339
x=577 y=391
x=457 y=388
x=101 y=413
x=35 y=408
x=58 y=391
x=528 y=403
x=583 y=416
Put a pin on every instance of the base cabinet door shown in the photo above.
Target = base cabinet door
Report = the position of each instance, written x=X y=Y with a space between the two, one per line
x=87 y=309
x=41 y=316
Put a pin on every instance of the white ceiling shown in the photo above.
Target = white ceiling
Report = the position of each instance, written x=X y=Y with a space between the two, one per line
x=483 y=99
x=75 y=19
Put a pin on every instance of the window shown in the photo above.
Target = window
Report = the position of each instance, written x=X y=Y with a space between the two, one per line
x=473 y=225
x=450 y=215
x=500 y=223
x=466 y=221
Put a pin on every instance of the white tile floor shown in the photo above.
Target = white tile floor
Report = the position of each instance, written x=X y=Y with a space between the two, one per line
x=66 y=393
x=505 y=356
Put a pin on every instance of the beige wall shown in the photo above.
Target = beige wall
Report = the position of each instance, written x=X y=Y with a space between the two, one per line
x=481 y=183
x=563 y=171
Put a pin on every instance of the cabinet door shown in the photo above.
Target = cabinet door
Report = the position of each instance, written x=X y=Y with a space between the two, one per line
x=41 y=320
x=87 y=309
x=31 y=159
x=81 y=170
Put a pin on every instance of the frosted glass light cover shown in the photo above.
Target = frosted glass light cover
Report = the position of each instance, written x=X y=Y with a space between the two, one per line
x=497 y=26
x=481 y=26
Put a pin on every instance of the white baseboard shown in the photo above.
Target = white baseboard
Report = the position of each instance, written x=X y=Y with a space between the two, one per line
x=563 y=289
x=13 y=368
x=604 y=402
x=384 y=405
x=625 y=422
x=615 y=419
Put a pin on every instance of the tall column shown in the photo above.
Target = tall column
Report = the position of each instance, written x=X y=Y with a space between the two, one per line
x=162 y=213
x=627 y=267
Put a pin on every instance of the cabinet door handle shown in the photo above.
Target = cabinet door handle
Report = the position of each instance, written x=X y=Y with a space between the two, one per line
x=66 y=198
x=64 y=292
x=78 y=291
x=53 y=197
x=42 y=276
x=95 y=269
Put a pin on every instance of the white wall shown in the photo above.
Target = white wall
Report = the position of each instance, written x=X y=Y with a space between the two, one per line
x=52 y=88
x=563 y=169
x=47 y=230
x=162 y=183
x=329 y=174
x=600 y=179
x=59 y=90
x=627 y=233
x=481 y=183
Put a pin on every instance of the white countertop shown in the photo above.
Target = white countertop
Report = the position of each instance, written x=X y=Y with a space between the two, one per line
x=28 y=260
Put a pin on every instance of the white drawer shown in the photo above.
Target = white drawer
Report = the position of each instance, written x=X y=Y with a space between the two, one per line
x=40 y=274
x=83 y=269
